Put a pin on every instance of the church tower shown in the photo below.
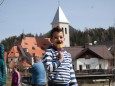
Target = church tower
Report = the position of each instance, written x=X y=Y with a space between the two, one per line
x=61 y=21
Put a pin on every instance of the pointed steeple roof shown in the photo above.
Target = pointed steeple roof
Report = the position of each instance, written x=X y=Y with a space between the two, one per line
x=60 y=16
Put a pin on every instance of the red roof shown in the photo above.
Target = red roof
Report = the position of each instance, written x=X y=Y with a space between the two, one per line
x=13 y=53
x=100 y=50
x=43 y=43
x=33 y=46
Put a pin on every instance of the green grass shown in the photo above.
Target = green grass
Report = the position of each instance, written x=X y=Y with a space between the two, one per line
x=8 y=80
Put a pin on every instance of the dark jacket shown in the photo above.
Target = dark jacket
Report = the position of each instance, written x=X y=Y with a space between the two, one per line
x=2 y=66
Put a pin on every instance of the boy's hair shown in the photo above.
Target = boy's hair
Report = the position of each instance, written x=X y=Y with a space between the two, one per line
x=37 y=58
x=55 y=29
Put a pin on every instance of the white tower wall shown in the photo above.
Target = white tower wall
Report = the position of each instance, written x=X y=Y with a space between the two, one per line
x=65 y=28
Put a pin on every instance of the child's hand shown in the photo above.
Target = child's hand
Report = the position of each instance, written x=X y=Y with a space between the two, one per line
x=59 y=48
x=61 y=56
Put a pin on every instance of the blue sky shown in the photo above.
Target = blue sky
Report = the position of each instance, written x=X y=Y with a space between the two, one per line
x=35 y=16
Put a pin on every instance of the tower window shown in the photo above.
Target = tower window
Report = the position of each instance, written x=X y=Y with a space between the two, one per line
x=65 y=30
x=100 y=67
x=62 y=30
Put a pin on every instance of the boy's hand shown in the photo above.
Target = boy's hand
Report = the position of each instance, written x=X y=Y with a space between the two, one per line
x=59 y=47
x=61 y=56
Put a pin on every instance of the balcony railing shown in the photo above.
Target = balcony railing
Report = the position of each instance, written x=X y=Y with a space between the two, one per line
x=96 y=71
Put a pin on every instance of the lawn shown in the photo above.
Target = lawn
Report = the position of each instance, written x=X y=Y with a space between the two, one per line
x=8 y=80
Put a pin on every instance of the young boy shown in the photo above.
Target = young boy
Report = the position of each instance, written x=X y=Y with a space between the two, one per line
x=38 y=72
x=58 y=61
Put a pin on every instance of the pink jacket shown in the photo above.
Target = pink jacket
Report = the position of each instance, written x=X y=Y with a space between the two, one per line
x=15 y=78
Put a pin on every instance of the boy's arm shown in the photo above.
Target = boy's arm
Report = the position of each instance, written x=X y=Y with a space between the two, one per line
x=49 y=63
x=73 y=77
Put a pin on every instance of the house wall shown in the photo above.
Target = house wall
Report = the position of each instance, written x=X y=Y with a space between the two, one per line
x=92 y=62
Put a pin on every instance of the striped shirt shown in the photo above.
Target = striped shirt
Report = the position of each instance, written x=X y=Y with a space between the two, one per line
x=59 y=72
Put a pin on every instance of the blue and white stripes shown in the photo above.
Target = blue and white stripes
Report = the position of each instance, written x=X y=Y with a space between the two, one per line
x=59 y=72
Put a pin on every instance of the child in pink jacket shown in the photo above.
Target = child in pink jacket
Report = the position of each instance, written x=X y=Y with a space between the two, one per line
x=15 y=77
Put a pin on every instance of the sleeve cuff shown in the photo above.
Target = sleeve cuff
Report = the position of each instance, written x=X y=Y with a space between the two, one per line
x=58 y=63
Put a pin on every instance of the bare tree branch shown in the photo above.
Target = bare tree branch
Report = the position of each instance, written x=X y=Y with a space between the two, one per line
x=1 y=2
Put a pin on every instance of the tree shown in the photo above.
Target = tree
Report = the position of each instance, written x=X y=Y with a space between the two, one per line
x=1 y=2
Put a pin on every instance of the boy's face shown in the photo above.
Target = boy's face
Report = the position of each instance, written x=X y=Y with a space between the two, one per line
x=58 y=38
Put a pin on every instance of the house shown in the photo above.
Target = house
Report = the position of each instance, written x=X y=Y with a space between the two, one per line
x=91 y=57
x=26 y=49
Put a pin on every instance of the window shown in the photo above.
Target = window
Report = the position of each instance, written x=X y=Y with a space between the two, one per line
x=65 y=30
x=80 y=67
x=87 y=57
x=100 y=67
x=11 y=59
x=62 y=30
x=73 y=66
x=87 y=66
x=42 y=48
x=33 y=54
x=33 y=48
x=26 y=43
x=26 y=49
